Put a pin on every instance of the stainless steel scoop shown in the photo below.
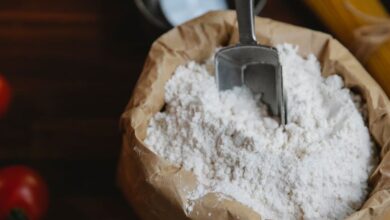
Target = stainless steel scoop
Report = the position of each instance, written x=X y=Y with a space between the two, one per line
x=250 y=64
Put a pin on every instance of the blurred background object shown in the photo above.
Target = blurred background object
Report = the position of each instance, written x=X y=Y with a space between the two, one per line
x=364 y=27
x=178 y=12
x=72 y=65
x=162 y=15
x=5 y=96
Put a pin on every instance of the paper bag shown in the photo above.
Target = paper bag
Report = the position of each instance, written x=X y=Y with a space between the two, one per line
x=157 y=190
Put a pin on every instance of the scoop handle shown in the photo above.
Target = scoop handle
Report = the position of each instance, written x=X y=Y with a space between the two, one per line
x=245 y=18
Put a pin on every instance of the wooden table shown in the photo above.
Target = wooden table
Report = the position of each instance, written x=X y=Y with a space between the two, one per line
x=72 y=65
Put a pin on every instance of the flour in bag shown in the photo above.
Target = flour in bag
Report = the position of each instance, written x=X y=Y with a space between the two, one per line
x=315 y=168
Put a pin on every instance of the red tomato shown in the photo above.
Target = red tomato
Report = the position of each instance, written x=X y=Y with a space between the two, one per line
x=22 y=192
x=5 y=96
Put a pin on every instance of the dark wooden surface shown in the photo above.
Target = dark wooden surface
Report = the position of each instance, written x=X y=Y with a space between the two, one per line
x=72 y=65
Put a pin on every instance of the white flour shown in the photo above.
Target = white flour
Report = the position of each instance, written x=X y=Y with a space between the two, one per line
x=317 y=168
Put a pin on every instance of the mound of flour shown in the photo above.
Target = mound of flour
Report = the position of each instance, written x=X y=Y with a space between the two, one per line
x=315 y=168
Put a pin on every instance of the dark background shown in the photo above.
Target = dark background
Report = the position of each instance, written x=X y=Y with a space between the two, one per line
x=72 y=65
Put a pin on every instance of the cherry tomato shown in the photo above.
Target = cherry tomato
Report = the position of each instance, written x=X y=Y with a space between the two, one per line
x=23 y=194
x=5 y=96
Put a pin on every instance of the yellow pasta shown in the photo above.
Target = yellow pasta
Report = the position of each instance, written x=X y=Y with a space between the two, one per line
x=364 y=27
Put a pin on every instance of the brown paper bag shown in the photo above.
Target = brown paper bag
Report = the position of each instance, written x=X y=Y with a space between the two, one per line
x=156 y=189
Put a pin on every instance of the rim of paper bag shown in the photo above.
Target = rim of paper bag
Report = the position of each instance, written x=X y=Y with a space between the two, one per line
x=196 y=40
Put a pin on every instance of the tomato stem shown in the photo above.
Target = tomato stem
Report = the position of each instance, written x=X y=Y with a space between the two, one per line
x=17 y=214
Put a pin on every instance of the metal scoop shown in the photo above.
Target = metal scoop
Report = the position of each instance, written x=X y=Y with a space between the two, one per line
x=250 y=64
